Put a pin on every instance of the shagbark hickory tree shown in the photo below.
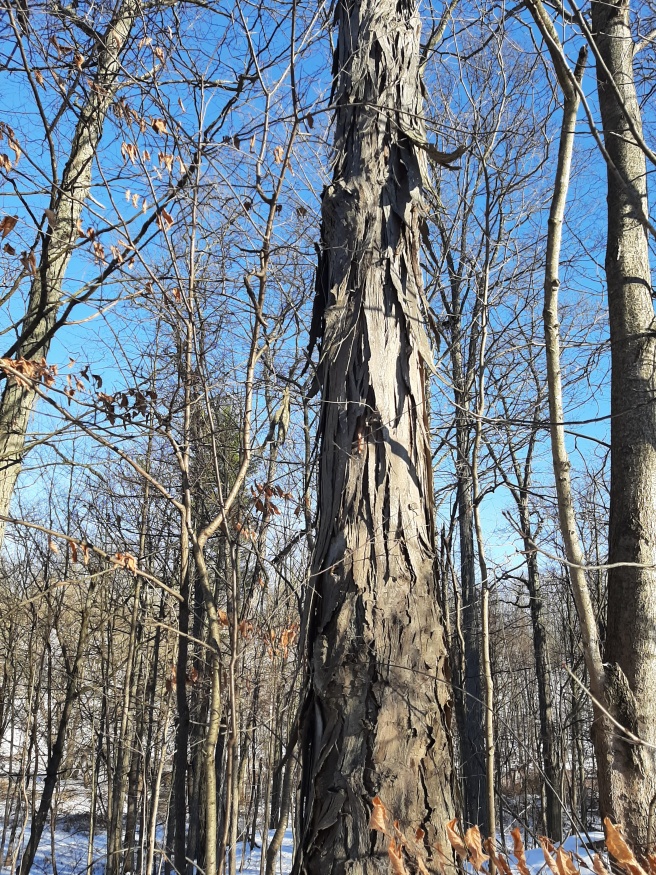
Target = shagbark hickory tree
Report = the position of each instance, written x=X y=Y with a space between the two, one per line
x=376 y=715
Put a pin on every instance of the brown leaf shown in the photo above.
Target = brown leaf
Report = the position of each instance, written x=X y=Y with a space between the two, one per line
x=474 y=844
x=159 y=126
x=9 y=249
x=456 y=842
x=78 y=60
x=52 y=546
x=498 y=859
x=565 y=863
x=223 y=618
x=378 y=815
x=164 y=219
x=395 y=854
x=28 y=260
x=549 y=860
x=7 y=225
x=73 y=549
x=518 y=851
x=619 y=849
x=15 y=148
x=598 y=865
x=278 y=154
x=126 y=560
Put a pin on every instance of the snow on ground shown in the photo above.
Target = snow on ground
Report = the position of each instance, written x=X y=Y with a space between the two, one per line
x=577 y=845
x=71 y=845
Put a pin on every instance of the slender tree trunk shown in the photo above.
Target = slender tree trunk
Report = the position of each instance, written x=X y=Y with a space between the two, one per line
x=377 y=709
x=566 y=511
x=630 y=641
x=545 y=693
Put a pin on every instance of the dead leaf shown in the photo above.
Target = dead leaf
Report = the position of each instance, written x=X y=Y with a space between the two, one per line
x=549 y=860
x=159 y=126
x=518 y=851
x=598 y=865
x=78 y=60
x=498 y=859
x=52 y=546
x=565 y=863
x=619 y=849
x=126 y=560
x=456 y=842
x=7 y=225
x=278 y=154
x=474 y=844
x=164 y=220
x=378 y=815
x=395 y=854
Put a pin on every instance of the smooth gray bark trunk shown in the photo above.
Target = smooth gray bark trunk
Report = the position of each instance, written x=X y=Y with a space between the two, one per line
x=630 y=641
x=376 y=714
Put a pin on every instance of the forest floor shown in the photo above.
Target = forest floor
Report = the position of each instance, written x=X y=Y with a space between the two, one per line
x=71 y=844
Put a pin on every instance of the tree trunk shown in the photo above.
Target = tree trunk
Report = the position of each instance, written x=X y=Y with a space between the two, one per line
x=377 y=709
x=554 y=810
x=630 y=642
x=57 y=246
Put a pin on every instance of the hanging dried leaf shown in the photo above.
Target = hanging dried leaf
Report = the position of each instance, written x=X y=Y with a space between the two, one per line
x=378 y=815
x=78 y=60
x=549 y=860
x=456 y=842
x=518 y=851
x=39 y=78
x=223 y=618
x=7 y=225
x=9 y=249
x=52 y=546
x=395 y=854
x=598 y=865
x=131 y=151
x=164 y=220
x=15 y=148
x=421 y=866
x=278 y=154
x=28 y=260
x=474 y=844
x=73 y=549
x=619 y=849
x=498 y=859
x=126 y=560
x=565 y=863
x=159 y=126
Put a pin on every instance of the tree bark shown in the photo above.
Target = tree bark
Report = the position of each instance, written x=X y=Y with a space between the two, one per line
x=376 y=714
x=630 y=642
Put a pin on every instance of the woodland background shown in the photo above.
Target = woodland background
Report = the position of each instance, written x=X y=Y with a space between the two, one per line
x=161 y=172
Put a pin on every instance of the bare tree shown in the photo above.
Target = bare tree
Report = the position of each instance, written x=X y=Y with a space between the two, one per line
x=375 y=717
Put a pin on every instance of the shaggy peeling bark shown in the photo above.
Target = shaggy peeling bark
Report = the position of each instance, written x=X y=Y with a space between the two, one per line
x=630 y=640
x=377 y=710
